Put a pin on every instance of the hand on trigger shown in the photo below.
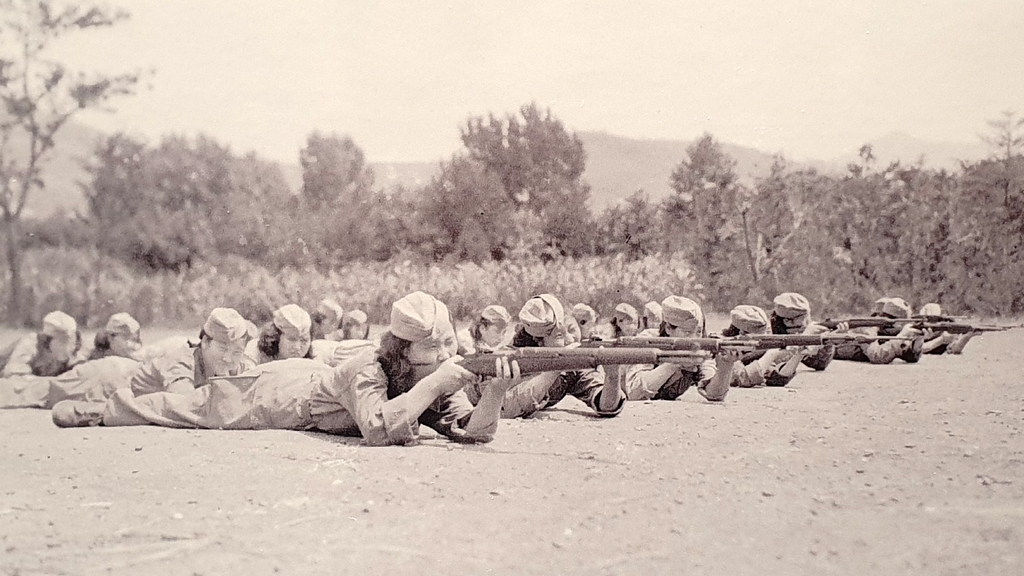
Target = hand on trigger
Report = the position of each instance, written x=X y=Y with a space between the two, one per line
x=450 y=377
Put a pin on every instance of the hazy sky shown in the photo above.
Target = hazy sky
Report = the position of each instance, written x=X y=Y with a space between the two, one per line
x=805 y=77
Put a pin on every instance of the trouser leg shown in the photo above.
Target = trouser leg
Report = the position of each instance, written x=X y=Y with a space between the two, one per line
x=218 y=405
x=24 y=392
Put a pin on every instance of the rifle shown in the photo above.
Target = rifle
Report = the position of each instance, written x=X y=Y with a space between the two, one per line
x=919 y=322
x=533 y=360
x=744 y=343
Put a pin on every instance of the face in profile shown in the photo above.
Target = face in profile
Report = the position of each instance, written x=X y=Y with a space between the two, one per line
x=431 y=352
x=688 y=329
x=795 y=325
x=293 y=345
x=558 y=338
x=493 y=334
x=62 y=347
x=586 y=328
x=627 y=326
x=124 y=345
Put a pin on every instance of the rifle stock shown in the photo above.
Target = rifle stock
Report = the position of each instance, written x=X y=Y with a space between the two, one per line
x=534 y=360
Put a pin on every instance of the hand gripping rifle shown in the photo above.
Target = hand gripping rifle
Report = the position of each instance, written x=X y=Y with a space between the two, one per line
x=936 y=323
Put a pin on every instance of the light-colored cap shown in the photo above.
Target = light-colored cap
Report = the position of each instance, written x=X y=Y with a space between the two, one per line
x=880 y=304
x=931 y=309
x=652 y=311
x=58 y=323
x=897 y=308
x=542 y=315
x=749 y=319
x=292 y=321
x=626 y=311
x=791 y=305
x=418 y=316
x=354 y=317
x=329 y=307
x=496 y=314
x=226 y=325
x=678 y=310
x=122 y=323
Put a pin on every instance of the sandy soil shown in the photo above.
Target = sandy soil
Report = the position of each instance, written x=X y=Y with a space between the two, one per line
x=902 y=469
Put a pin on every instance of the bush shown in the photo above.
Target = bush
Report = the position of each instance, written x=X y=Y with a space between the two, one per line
x=90 y=286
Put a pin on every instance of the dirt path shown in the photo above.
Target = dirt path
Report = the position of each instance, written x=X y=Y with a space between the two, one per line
x=903 y=469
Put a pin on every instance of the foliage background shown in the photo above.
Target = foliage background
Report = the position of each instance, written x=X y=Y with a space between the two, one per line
x=178 y=227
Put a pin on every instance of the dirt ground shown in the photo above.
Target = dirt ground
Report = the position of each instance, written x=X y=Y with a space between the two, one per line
x=901 y=469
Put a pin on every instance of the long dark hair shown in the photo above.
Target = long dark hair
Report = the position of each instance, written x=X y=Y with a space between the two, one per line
x=270 y=342
x=778 y=324
x=316 y=329
x=100 y=345
x=43 y=343
x=524 y=339
x=392 y=355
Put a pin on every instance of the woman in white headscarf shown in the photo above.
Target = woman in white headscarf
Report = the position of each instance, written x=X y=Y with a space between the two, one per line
x=543 y=323
x=287 y=335
x=681 y=318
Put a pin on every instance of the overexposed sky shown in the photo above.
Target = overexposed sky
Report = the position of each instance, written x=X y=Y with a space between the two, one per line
x=809 y=78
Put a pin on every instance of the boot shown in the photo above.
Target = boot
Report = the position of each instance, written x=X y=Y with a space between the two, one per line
x=74 y=413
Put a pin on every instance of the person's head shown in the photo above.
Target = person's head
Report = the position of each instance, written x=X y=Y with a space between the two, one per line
x=326 y=318
x=222 y=341
x=930 y=309
x=355 y=325
x=122 y=336
x=542 y=324
x=746 y=319
x=876 y=310
x=895 y=308
x=586 y=319
x=491 y=326
x=420 y=336
x=791 y=313
x=652 y=315
x=59 y=338
x=625 y=320
x=681 y=318
x=287 y=335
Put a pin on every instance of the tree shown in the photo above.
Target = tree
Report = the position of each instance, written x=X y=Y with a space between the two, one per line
x=539 y=165
x=772 y=214
x=165 y=207
x=702 y=213
x=1007 y=139
x=336 y=199
x=631 y=228
x=467 y=211
x=39 y=97
x=334 y=171
x=537 y=160
x=117 y=188
x=255 y=210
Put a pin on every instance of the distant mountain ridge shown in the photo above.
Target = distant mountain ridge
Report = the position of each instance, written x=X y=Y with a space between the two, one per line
x=617 y=166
